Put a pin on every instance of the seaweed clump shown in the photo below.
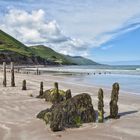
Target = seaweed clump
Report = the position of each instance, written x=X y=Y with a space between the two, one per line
x=69 y=113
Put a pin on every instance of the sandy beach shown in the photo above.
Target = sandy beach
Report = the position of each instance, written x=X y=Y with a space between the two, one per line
x=18 y=112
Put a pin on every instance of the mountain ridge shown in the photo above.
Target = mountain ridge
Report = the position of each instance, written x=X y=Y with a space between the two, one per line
x=13 y=50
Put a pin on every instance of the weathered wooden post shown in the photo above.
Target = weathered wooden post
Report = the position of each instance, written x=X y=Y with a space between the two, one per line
x=41 y=93
x=56 y=93
x=24 y=85
x=41 y=89
x=4 y=74
x=100 y=106
x=114 y=100
x=12 y=75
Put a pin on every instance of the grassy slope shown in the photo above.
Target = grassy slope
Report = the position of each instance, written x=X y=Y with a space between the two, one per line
x=49 y=54
x=8 y=43
x=81 y=60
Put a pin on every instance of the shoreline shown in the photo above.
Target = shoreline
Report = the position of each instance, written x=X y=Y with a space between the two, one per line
x=93 y=85
x=99 y=86
x=18 y=112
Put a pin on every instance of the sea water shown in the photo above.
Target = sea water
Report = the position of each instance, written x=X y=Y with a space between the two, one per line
x=103 y=76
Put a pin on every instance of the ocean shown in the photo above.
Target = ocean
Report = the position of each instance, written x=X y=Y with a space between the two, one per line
x=103 y=76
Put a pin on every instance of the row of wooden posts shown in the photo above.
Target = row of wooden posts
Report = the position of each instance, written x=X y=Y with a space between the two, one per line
x=113 y=102
x=12 y=75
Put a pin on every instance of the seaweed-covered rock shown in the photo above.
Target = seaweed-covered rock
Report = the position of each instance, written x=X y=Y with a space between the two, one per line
x=51 y=95
x=55 y=95
x=69 y=113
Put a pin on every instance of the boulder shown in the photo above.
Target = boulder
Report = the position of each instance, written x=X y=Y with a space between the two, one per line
x=69 y=113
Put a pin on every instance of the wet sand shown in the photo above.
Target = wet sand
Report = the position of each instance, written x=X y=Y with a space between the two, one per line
x=18 y=112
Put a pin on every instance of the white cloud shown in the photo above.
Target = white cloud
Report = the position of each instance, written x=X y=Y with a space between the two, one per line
x=32 y=28
x=89 y=20
x=92 y=21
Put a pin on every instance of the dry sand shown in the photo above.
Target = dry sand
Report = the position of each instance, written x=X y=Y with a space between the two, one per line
x=18 y=112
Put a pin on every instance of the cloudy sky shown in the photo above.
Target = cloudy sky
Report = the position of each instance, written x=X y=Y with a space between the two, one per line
x=103 y=30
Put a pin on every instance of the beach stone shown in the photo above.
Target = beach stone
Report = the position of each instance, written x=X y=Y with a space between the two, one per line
x=69 y=113
x=114 y=99
x=24 y=85
x=100 y=106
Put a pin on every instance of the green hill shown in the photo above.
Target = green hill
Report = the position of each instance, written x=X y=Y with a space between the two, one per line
x=13 y=50
x=49 y=54
x=9 y=43
x=81 y=60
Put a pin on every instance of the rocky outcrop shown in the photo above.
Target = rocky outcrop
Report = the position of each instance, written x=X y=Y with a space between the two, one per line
x=11 y=56
x=69 y=113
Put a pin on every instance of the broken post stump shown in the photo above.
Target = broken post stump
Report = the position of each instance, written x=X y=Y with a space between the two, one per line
x=24 y=85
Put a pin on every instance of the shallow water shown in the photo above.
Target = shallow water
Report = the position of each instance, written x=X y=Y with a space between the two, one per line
x=129 y=83
x=102 y=76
